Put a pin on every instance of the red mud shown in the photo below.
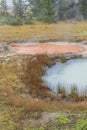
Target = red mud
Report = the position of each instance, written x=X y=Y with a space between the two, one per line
x=48 y=49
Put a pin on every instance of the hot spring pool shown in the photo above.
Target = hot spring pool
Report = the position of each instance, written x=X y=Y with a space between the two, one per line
x=69 y=74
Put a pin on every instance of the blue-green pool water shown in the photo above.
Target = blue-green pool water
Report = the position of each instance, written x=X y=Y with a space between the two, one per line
x=69 y=74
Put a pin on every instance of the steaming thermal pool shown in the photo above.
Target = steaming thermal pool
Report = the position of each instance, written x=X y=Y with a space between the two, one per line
x=69 y=74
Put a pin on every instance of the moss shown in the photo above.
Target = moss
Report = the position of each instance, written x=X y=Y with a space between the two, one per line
x=63 y=59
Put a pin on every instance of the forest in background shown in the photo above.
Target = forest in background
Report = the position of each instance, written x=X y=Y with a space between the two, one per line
x=49 y=11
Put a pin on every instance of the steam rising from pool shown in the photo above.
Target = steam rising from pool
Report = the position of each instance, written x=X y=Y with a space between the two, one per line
x=69 y=74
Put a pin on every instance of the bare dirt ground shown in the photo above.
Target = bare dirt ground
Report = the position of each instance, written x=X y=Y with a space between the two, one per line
x=47 y=49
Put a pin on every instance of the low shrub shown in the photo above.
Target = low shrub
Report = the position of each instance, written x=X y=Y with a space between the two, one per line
x=14 y=20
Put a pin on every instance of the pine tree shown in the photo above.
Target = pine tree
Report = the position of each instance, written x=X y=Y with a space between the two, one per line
x=47 y=10
x=19 y=8
x=35 y=6
x=83 y=7
x=3 y=8
x=43 y=10
x=21 y=12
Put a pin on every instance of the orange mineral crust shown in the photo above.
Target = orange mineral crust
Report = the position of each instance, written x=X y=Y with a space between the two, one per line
x=48 y=49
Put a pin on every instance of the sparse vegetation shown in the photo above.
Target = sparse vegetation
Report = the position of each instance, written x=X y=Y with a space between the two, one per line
x=74 y=93
x=61 y=90
x=75 y=96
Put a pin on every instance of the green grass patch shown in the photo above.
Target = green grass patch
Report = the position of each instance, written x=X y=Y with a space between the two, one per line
x=63 y=120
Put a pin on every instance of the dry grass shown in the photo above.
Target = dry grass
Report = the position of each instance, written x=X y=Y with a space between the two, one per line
x=34 y=68
x=10 y=83
x=60 y=32
x=37 y=105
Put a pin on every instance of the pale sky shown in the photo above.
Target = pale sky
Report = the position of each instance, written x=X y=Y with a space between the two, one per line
x=9 y=2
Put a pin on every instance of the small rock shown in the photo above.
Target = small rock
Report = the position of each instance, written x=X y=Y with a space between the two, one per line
x=54 y=96
x=84 y=42
x=34 y=59
x=1 y=50
x=26 y=96
x=6 y=48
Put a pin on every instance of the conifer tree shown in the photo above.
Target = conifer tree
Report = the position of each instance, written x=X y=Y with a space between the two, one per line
x=83 y=7
x=3 y=8
x=43 y=10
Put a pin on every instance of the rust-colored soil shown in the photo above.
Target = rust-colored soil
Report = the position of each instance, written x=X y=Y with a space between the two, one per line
x=48 y=49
